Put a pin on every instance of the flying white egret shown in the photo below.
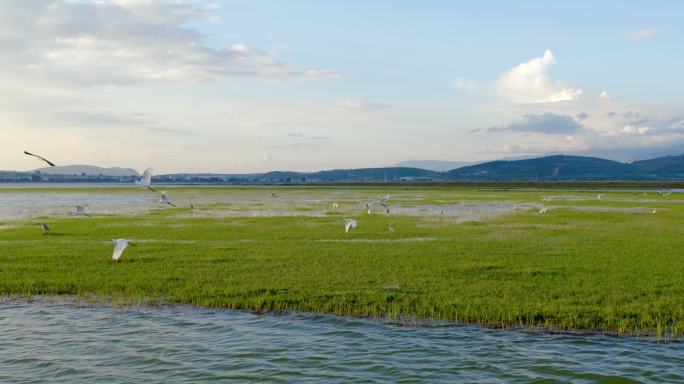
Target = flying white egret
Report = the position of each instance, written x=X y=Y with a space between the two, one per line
x=349 y=223
x=146 y=180
x=41 y=158
x=546 y=198
x=46 y=228
x=382 y=202
x=165 y=199
x=664 y=193
x=119 y=246
x=80 y=211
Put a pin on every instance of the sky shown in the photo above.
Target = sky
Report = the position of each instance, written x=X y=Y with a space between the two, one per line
x=252 y=86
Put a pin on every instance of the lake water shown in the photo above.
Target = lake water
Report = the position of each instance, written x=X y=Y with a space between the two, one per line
x=63 y=341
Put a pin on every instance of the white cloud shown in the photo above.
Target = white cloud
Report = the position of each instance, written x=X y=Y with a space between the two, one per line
x=606 y=96
x=529 y=82
x=644 y=33
x=631 y=129
x=126 y=42
x=465 y=84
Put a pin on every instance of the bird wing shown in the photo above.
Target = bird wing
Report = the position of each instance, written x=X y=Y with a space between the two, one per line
x=40 y=157
x=119 y=248
x=147 y=176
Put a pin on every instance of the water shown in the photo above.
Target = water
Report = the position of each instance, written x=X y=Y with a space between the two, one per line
x=61 y=341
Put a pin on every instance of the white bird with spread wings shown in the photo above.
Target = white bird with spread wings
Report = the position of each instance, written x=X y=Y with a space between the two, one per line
x=119 y=246
x=382 y=202
x=146 y=180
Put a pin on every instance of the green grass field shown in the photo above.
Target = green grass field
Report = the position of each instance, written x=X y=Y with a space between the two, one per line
x=587 y=264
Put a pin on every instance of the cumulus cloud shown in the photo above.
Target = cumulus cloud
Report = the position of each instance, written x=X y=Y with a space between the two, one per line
x=644 y=33
x=127 y=42
x=546 y=123
x=529 y=82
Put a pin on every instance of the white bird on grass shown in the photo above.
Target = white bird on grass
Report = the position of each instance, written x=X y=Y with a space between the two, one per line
x=349 y=223
x=335 y=205
x=600 y=196
x=165 y=199
x=41 y=158
x=543 y=210
x=146 y=180
x=654 y=210
x=119 y=246
x=389 y=228
x=80 y=211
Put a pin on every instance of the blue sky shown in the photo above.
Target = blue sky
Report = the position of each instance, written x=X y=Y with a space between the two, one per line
x=245 y=86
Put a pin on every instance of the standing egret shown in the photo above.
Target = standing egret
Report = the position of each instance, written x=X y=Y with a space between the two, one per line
x=515 y=208
x=335 y=205
x=46 y=228
x=119 y=246
x=389 y=228
x=80 y=211
x=146 y=180
x=41 y=158
x=543 y=210
x=349 y=223
x=654 y=210
x=165 y=199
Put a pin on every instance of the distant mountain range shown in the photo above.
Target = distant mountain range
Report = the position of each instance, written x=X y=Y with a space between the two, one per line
x=547 y=168
x=434 y=165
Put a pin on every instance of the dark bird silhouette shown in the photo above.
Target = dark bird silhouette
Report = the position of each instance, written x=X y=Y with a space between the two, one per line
x=41 y=158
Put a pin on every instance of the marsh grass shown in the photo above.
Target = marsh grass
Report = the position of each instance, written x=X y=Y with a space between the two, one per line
x=610 y=270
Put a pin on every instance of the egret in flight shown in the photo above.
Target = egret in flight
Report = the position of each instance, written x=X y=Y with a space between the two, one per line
x=41 y=158
x=382 y=202
x=349 y=223
x=664 y=193
x=165 y=199
x=80 y=211
x=146 y=180
x=119 y=246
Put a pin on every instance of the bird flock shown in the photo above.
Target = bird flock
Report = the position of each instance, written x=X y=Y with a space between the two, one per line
x=349 y=223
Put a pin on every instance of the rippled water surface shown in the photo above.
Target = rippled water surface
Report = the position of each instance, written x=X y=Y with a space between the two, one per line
x=61 y=341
